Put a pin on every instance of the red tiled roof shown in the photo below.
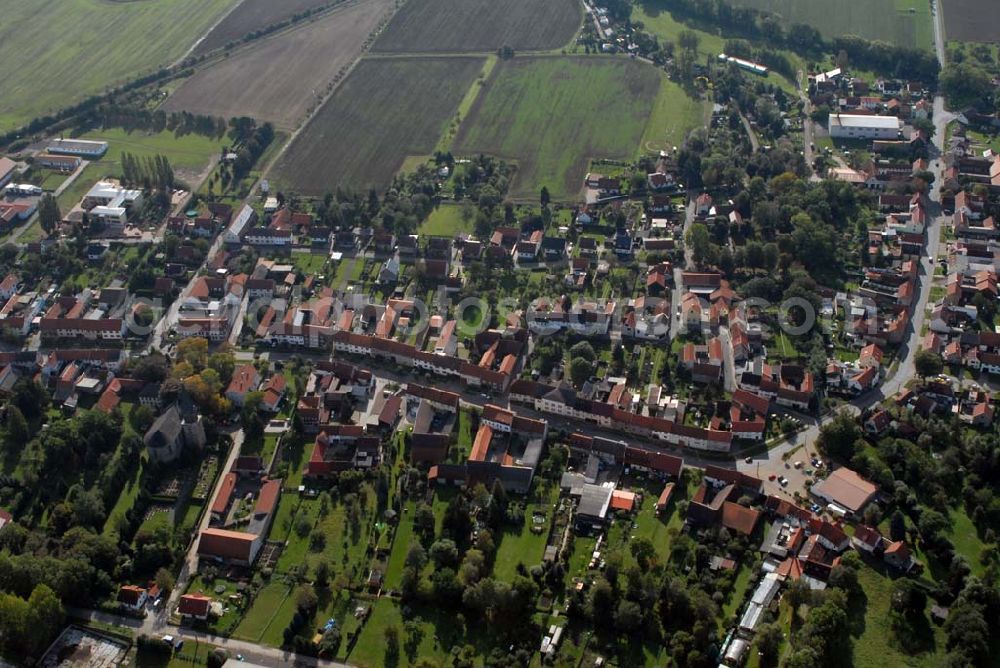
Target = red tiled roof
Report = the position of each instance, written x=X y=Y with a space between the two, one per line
x=195 y=605
x=225 y=493
x=130 y=594
x=622 y=500
x=739 y=519
x=267 y=500
x=668 y=491
x=433 y=394
x=226 y=544
x=482 y=443
x=752 y=401
x=109 y=399
x=244 y=378
x=867 y=535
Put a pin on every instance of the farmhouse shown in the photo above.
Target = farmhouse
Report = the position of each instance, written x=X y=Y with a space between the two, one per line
x=233 y=547
x=132 y=597
x=856 y=126
x=194 y=606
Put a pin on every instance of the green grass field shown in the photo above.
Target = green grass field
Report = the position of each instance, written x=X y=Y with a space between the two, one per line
x=189 y=151
x=56 y=52
x=553 y=115
x=875 y=644
x=189 y=155
x=673 y=117
x=369 y=651
x=310 y=264
x=523 y=546
x=125 y=501
x=656 y=18
x=76 y=190
x=400 y=546
x=447 y=221
x=265 y=607
x=902 y=22
x=966 y=540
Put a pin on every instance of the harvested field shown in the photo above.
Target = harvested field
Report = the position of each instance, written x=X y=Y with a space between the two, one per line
x=902 y=22
x=386 y=110
x=971 y=20
x=552 y=115
x=279 y=79
x=56 y=52
x=253 y=15
x=480 y=25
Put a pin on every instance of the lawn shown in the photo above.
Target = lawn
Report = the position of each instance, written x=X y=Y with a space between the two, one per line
x=310 y=264
x=673 y=117
x=125 y=501
x=266 y=607
x=659 y=530
x=157 y=518
x=56 y=52
x=362 y=134
x=34 y=232
x=449 y=220
x=400 y=546
x=219 y=589
x=540 y=112
x=290 y=507
x=83 y=182
x=349 y=270
x=966 y=540
x=370 y=648
x=295 y=453
x=523 y=546
x=274 y=634
x=732 y=605
x=186 y=520
x=875 y=645
x=188 y=154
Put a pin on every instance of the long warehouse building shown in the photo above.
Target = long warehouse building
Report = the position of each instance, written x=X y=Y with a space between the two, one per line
x=860 y=126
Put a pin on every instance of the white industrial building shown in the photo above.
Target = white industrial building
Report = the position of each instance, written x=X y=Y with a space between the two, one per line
x=110 y=204
x=860 y=126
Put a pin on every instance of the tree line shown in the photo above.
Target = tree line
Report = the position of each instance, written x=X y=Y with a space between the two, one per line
x=898 y=61
x=151 y=172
